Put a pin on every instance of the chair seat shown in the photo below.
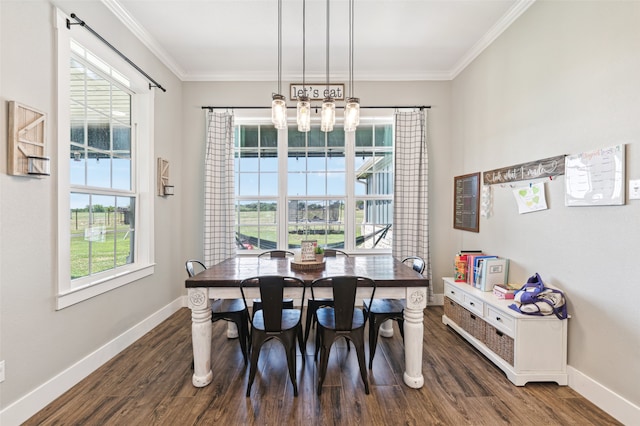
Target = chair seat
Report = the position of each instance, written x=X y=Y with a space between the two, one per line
x=327 y=319
x=290 y=319
x=227 y=305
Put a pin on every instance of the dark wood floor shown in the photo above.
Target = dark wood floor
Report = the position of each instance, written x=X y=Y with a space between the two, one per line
x=150 y=384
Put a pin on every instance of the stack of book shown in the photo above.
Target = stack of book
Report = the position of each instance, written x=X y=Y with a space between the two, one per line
x=505 y=291
x=463 y=268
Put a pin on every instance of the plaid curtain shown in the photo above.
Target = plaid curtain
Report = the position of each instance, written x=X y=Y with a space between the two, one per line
x=411 y=193
x=219 y=236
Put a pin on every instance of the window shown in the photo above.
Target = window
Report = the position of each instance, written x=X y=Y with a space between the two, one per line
x=105 y=230
x=333 y=187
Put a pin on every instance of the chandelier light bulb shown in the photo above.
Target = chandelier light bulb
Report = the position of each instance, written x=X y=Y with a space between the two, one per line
x=351 y=114
x=279 y=112
x=304 y=114
x=328 y=115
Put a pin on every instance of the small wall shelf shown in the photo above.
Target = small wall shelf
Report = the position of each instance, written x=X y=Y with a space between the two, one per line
x=27 y=141
x=164 y=187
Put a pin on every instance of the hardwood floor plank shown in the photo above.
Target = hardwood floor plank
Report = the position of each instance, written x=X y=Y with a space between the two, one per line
x=149 y=383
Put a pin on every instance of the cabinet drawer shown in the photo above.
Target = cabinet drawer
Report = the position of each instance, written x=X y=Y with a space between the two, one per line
x=500 y=320
x=452 y=293
x=474 y=305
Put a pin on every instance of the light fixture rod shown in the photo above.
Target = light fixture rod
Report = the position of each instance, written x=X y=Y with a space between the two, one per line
x=279 y=46
x=351 y=48
x=328 y=30
x=304 y=44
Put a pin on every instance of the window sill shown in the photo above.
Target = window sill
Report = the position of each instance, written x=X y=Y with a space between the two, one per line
x=102 y=285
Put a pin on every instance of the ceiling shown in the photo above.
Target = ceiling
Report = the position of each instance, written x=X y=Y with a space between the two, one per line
x=394 y=40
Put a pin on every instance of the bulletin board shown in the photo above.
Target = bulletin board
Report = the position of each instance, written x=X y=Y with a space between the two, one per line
x=595 y=178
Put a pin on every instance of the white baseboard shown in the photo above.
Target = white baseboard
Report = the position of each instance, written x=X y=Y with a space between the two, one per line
x=36 y=400
x=623 y=410
x=436 y=300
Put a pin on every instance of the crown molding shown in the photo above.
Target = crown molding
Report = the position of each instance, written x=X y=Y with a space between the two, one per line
x=143 y=35
x=512 y=14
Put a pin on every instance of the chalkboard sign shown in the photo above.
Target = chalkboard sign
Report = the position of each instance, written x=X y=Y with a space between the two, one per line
x=466 y=202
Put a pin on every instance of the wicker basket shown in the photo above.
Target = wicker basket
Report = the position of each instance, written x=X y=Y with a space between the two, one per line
x=474 y=325
x=499 y=343
x=452 y=310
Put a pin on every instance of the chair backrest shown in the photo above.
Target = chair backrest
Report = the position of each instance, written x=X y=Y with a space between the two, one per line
x=271 y=294
x=417 y=263
x=190 y=268
x=276 y=253
x=344 y=296
x=334 y=253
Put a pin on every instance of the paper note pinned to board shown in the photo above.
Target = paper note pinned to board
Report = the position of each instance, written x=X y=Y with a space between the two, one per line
x=530 y=198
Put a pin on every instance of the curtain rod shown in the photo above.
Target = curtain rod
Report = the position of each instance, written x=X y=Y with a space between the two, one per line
x=84 y=24
x=319 y=106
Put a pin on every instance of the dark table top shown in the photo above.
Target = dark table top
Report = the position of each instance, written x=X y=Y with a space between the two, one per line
x=386 y=271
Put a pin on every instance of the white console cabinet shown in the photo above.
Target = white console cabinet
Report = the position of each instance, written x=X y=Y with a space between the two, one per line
x=527 y=348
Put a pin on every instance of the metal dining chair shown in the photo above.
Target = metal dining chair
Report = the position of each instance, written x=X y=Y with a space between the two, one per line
x=276 y=253
x=275 y=321
x=273 y=254
x=344 y=319
x=233 y=310
x=318 y=302
x=381 y=310
x=329 y=252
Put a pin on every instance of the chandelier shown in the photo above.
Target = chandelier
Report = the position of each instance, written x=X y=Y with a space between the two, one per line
x=303 y=107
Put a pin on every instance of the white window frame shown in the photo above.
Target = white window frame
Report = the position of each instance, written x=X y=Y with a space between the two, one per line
x=350 y=197
x=70 y=292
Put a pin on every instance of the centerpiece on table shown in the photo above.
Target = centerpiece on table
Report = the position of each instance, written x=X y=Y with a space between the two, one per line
x=311 y=256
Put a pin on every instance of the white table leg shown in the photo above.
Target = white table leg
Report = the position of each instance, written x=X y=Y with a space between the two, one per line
x=386 y=328
x=413 y=336
x=198 y=299
x=232 y=330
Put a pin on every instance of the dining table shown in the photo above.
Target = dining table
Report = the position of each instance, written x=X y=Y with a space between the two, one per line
x=393 y=279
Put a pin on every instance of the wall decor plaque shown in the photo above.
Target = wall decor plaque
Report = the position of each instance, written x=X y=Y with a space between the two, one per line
x=27 y=141
x=548 y=167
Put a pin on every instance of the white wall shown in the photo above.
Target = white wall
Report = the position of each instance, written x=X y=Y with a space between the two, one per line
x=561 y=80
x=39 y=342
x=435 y=94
